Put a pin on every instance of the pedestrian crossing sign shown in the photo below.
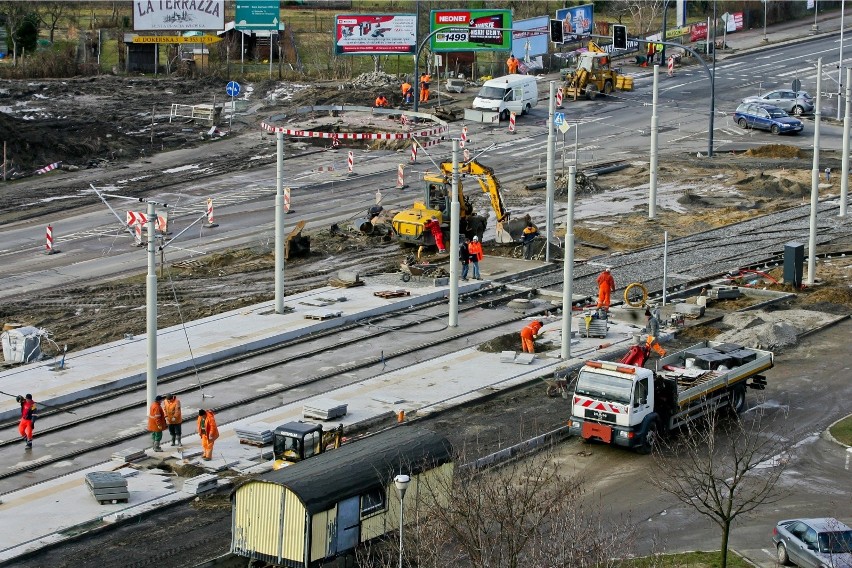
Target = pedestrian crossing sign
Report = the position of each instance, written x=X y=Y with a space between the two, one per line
x=558 y=118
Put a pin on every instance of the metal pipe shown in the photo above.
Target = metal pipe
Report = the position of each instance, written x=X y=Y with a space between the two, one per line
x=652 y=191
x=551 y=167
x=279 y=223
x=568 y=267
x=151 y=307
x=844 y=177
x=455 y=211
x=814 y=182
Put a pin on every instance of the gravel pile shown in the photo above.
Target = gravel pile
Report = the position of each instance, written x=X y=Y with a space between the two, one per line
x=375 y=81
x=770 y=330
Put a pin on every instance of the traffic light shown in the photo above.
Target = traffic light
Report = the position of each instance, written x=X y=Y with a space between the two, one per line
x=619 y=37
x=556 y=31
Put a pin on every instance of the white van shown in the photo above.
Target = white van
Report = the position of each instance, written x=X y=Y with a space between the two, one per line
x=507 y=94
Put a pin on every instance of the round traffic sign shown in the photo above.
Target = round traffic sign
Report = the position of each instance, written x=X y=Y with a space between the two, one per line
x=797 y=85
x=233 y=89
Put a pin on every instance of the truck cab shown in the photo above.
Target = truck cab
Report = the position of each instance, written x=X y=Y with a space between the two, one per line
x=614 y=403
x=296 y=441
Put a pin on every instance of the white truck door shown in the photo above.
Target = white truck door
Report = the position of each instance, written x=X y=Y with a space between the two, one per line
x=643 y=400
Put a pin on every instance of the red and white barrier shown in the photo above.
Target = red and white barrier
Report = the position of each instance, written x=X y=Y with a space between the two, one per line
x=671 y=66
x=350 y=161
x=466 y=155
x=138 y=233
x=400 y=176
x=413 y=153
x=559 y=97
x=137 y=218
x=210 y=223
x=48 y=245
x=512 y=123
x=463 y=137
x=287 y=199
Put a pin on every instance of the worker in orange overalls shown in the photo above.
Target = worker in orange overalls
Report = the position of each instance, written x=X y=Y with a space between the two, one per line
x=433 y=226
x=424 y=87
x=606 y=284
x=174 y=417
x=208 y=431
x=529 y=333
x=407 y=92
x=512 y=64
x=156 y=422
x=25 y=427
x=382 y=102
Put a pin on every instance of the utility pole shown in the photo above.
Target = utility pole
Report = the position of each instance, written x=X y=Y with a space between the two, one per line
x=568 y=267
x=551 y=166
x=151 y=306
x=840 y=60
x=652 y=190
x=814 y=182
x=844 y=177
x=454 y=240
x=279 y=224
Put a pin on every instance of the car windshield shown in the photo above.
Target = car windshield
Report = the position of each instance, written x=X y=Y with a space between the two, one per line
x=776 y=113
x=837 y=542
x=604 y=387
x=495 y=93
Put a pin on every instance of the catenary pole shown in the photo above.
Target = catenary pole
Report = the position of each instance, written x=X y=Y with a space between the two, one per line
x=279 y=223
x=151 y=307
x=844 y=178
x=652 y=191
x=568 y=267
x=814 y=182
x=840 y=60
x=551 y=166
x=454 y=240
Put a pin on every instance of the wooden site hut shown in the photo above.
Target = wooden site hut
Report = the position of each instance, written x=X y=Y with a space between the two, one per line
x=312 y=511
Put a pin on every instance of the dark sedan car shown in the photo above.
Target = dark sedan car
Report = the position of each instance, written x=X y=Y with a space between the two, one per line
x=767 y=117
x=813 y=543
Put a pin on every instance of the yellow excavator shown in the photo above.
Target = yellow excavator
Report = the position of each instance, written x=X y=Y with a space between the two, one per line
x=297 y=441
x=408 y=224
x=594 y=74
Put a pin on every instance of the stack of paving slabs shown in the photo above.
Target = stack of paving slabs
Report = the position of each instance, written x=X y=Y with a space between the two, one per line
x=107 y=487
x=128 y=455
x=258 y=434
x=200 y=483
x=324 y=409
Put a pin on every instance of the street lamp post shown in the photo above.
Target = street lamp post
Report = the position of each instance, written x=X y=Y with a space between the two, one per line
x=401 y=481
x=764 y=21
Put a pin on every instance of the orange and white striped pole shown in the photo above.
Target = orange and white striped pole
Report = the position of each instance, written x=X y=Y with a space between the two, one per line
x=512 y=123
x=287 y=200
x=210 y=222
x=466 y=155
x=671 y=66
x=413 y=152
x=350 y=161
x=463 y=137
x=559 y=97
x=138 y=228
x=400 y=177
x=48 y=245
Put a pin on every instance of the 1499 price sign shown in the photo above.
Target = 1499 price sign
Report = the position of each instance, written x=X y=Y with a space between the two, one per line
x=452 y=37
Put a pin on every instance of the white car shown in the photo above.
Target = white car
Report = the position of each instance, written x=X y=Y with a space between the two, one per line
x=794 y=102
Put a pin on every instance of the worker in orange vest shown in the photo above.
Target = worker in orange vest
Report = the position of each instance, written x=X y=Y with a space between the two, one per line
x=407 y=92
x=25 y=426
x=475 y=249
x=382 y=102
x=208 y=431
x=424 y=87
x=606 y=284
x=512 y=63
x=529 y=333
x=174 y=417
x=156 y=422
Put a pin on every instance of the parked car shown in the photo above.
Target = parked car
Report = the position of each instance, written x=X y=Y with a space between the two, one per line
x=767 y=117
x=794 y=102
x=813 y=543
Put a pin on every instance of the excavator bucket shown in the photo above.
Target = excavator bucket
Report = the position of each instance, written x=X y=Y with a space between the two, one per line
x=510 y=231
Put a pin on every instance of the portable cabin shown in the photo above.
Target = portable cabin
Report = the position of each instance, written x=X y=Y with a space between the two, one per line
x=314 y=510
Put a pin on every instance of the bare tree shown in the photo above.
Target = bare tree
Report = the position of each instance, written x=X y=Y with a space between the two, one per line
x=15 y=13
x=722 y=467
x=644 y=14
x=50 y=14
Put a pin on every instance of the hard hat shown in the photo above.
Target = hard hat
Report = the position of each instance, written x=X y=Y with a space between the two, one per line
x=476 y=238
x=607 y=269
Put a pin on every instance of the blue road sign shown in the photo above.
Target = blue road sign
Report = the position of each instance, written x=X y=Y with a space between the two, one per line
x=233 y=89
x=558 y=118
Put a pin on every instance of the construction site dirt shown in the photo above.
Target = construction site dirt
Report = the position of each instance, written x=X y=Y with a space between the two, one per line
x=104 y=133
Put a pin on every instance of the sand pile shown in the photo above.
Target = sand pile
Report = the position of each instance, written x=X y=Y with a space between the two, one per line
x=770 y=330
x=775 y=151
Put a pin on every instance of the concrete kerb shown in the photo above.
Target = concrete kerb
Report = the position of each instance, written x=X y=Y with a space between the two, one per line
x=827 y=433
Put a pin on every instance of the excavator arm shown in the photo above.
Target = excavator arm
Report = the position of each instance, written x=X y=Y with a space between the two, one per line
x=487 y=181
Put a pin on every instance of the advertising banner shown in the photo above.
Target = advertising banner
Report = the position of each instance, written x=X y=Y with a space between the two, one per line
x=150 y=15
x=577 y=22
x=476 y=31
x=698 y=31
x=733 y=22
x=530 y=37
x=375 y=34
x=257 y=15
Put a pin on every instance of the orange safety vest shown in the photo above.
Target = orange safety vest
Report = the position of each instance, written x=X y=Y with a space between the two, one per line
x=173 y=412
x=606 y=281
x=530 y=330
x=475 y=248
x=381 y=101
x=156 y=418
x=207 y=426
x=406 y=87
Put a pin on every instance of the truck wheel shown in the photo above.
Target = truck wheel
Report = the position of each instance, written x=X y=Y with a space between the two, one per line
x=504 y=115
x=607 y=88
x=650 y=441
x=526 y=110
x=738 y=399
x=591 y=92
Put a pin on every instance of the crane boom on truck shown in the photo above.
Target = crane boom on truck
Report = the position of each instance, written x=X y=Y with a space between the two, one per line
x=409 y=224
x=629 y=405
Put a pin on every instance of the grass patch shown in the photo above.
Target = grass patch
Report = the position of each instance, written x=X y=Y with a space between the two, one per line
x=692 y=559
x=842 y=431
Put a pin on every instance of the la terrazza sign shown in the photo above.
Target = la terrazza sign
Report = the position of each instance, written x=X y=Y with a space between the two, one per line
x=178 y=15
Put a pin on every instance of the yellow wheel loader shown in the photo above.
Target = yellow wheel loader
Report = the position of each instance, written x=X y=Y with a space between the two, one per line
x=594 y=75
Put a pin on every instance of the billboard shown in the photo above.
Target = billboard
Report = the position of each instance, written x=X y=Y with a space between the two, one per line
x=577 y=22
x=164 y=15
x=375 y=34
x=257 y=15
x=533 y=35
x=476 y=30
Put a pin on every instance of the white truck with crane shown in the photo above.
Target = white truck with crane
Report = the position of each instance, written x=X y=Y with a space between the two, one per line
x=629 y=405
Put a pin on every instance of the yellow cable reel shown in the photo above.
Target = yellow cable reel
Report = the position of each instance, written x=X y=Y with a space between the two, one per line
x=635 y=295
